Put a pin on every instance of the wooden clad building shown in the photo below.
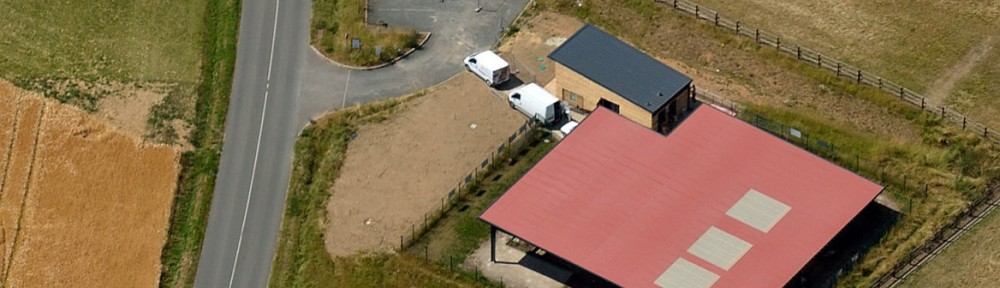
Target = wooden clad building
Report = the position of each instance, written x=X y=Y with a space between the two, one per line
x=593 y=68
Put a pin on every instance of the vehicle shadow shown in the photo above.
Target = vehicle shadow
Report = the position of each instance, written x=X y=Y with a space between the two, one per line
x=514 y=82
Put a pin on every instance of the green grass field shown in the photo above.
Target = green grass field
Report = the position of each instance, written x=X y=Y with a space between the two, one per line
x=133 y=40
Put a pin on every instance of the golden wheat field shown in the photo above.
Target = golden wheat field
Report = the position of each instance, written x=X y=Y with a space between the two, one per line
x=81 y=205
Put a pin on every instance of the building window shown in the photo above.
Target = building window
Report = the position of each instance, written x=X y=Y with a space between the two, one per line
x=569 y=95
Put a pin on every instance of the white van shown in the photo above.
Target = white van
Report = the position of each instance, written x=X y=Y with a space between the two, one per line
x=538 y=104
x=488 y=66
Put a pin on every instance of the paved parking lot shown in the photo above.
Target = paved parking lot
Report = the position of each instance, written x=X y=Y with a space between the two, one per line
x=457 y=30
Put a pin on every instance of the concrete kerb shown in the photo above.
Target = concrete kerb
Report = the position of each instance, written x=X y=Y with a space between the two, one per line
x=393 y=61
x=316 y=118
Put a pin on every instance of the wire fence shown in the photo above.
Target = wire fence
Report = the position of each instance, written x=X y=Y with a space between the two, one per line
x=461 y=191
x=874 y=170
x=831 y=64
x=941 y=240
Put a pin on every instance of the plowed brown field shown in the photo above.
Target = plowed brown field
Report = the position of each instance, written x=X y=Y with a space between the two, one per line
x=81 y=205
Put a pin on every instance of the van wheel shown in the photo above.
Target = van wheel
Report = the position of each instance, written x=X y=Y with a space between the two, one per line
x=511 y=104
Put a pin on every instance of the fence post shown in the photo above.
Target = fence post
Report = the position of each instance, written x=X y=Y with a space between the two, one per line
x=942 y=112
x=716 y=18
x=777 y=43
x=798 y=52
x=921 y=103
x=697 y=12
x=675 y=4
x=880 y=83
x=963 y=123
x=900 y=92
x=819 y=60
x=756 y=36
x=859 y=76
x=838 y=69
x=737 y=27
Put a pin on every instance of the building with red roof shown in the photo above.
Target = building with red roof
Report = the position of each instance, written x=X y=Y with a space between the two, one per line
x=716 y=203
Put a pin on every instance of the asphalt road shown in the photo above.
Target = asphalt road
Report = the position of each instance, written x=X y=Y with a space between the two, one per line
x=280 y=83
x=256 y=156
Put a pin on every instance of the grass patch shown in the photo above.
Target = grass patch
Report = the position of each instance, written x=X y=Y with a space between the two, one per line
x=336 y=22
x=302 y=259
x=64 y=50
x=459 y=231
x=199 y=167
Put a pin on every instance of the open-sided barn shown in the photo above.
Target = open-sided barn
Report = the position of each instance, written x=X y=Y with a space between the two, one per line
x=716 y=203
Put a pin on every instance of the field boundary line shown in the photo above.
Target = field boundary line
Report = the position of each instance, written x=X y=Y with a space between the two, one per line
x=831 y=64
x=10 y=154
x=24 y=198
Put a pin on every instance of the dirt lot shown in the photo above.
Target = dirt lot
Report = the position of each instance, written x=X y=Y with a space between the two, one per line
x=398 y=170
x=82 y=205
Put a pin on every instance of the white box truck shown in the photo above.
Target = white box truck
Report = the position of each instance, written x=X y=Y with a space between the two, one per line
x=489 y=66
x=538 y=104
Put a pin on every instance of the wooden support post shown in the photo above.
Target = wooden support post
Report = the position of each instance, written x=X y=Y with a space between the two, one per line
x=900 y=92
x=922 y=104
x=716 y=18
x=819 y=60
x=838 y=69
x=697 y=11
x=737 y=27
x=675 y=4
x=859 y=76
x=777 y=43
x=942 y=112
x=963 y=123
x=756 y=36
x=880 y=83
x=798 y=52
x=493 y=244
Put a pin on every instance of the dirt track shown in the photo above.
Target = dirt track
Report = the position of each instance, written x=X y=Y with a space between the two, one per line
x=81 y=205
x=398 y=170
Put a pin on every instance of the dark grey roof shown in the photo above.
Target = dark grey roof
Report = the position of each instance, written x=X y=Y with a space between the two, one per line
x=621 y=68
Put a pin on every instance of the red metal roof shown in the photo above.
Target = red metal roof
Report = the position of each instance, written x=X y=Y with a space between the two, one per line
x=624 y=202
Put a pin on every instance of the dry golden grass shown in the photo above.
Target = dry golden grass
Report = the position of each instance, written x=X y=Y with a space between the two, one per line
x=88 y=206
